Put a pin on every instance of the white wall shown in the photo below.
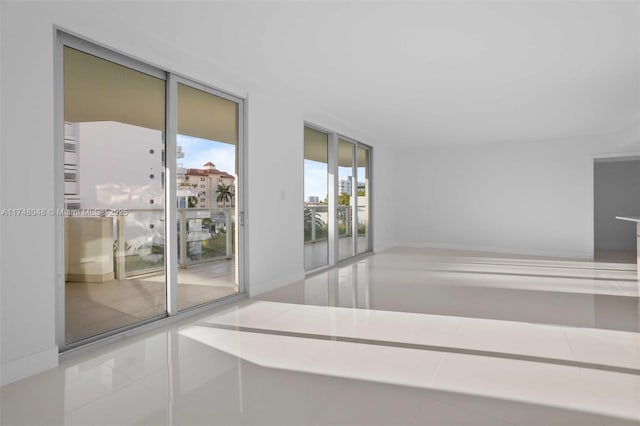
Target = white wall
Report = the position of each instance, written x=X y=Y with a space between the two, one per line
x=28 y=245
x=529 y=197
x=616 y=193
x=385 y=186
x=27 y=307
x=275 y=194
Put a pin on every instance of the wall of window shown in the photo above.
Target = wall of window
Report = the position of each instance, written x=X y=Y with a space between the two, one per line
x=316 y=196
x=152 y=192
x=336 y=198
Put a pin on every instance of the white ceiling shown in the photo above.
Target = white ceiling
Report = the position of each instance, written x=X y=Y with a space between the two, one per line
x=430 y=72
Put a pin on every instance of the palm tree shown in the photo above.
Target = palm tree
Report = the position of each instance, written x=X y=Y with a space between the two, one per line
x=312 y=220
x=225 y=193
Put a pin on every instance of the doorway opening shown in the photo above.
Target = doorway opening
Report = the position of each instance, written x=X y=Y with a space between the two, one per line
x=616 y=193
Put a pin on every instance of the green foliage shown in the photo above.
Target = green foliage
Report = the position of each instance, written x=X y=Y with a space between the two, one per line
x=342 y=229
x=344 y=199
x=312 y=219
x=157 y=248
x=225 y=194
x=214 y=246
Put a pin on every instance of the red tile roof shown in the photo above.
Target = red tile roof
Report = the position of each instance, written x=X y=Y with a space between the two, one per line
x=203 y=172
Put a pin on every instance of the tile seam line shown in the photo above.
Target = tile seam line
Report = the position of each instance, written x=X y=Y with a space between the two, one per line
x=532 y=266
x=434 y=348
x=567 y=277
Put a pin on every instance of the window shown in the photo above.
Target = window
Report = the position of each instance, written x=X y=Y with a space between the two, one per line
x=70 y=175
x=346 y=238
x=362 y=198
x=316 y=187
x=336 y=216
x=103 y=101
x=121 y=114
x=208 y=125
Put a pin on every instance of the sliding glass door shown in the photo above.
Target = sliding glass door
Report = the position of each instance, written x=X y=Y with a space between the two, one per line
x=346 y=186
x=362 y=198
x=336 y=225
x=114 y=131
x=316 y=190
x=206 y=176
x=152 y=178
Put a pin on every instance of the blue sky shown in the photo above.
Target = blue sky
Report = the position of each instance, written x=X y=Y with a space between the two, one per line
x=315 y=178
x=198 y=151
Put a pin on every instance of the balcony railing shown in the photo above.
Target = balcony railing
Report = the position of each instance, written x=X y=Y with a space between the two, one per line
x=139 y=239
x=204 y=235
x=316 y=221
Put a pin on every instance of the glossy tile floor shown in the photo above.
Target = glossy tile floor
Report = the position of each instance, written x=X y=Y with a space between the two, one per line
x=408 y=336
x=94 y=308
x=316 y=254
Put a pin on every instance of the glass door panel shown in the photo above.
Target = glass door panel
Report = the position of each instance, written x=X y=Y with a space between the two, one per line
x=316 y=184
x=346 y=187
x=363 y=199
x=114 y=196
x=206 y=180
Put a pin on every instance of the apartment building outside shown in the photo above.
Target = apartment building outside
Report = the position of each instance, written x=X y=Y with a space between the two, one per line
x=200 y=187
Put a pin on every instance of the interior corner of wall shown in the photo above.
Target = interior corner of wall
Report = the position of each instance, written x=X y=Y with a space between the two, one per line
x=379 y=248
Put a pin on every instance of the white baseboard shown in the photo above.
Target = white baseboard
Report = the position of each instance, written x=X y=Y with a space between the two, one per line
x=265 y=286
x=18 y=369
x=383 y=247
x=566 y=254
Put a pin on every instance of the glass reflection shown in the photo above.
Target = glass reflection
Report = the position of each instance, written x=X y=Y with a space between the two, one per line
x=316 y=183
x=363 y=199
x=113 y=164
x=206 y=191
x=346 y=191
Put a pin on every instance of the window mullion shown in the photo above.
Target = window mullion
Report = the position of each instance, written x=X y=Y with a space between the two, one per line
x=171 y=207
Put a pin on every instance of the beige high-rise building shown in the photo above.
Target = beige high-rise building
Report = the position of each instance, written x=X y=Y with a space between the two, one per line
x=201 y=185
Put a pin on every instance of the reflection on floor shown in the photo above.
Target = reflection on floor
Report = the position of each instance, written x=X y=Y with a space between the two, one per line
x=93 y=308
x=316 y=254
x=405 y=337
x=477 y=285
